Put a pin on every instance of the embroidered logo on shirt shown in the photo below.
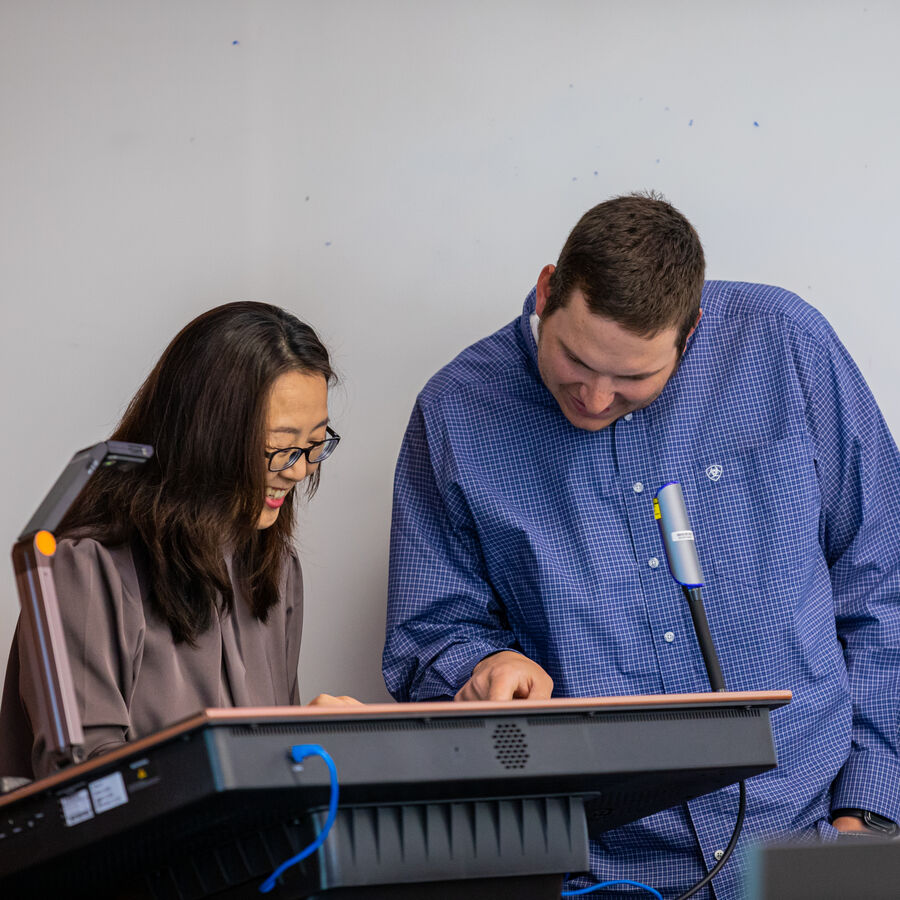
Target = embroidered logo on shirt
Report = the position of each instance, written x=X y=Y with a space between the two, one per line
x=714 y=472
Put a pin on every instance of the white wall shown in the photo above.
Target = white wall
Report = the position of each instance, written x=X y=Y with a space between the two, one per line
x=397 y=173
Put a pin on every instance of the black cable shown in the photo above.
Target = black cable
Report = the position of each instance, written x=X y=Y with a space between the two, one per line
x=742 y=808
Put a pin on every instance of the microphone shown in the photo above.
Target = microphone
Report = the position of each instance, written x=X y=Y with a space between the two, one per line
x=677 y=535
x=684 y=564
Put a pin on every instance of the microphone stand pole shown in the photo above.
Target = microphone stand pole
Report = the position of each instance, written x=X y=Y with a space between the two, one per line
x=704 y=638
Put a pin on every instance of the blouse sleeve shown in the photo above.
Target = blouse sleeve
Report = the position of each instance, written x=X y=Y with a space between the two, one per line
x=104 y=625
x=293 y=602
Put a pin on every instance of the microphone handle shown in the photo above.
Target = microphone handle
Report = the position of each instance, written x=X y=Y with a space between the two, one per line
x=707 y=648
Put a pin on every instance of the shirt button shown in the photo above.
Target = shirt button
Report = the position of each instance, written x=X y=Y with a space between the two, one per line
x=653 y=562
x=670 y=636
x=628 y=416
x=719 y=854
x=637 y=487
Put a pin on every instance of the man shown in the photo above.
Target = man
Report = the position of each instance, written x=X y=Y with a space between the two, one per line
x=525 y=558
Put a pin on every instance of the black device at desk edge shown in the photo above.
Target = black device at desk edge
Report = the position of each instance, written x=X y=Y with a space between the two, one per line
x=483 y=794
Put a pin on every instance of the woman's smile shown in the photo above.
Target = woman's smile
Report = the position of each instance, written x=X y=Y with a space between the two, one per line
x=275 y=497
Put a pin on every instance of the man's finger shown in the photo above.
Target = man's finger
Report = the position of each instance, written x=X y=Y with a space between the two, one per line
x=505 y=686
x=535 y=689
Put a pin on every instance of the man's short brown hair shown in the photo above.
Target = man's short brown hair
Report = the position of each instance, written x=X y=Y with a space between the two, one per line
x=638 y=261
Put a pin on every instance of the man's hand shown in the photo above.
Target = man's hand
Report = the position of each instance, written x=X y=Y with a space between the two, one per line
x=507 y=676
x=855 y=824
x=328 y=700
x=850 y=823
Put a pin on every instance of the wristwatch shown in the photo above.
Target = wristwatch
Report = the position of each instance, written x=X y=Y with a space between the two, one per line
x=875 y=823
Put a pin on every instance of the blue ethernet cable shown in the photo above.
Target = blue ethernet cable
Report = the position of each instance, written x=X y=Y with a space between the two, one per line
x=299 y=752
x=596 y=887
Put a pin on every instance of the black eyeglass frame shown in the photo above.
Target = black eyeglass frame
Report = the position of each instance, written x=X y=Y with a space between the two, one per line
x=330 y=445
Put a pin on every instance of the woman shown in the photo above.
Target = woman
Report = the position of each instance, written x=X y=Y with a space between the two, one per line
x=178 y=582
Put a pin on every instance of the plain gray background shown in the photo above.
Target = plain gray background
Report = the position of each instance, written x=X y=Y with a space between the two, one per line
x=397 y=173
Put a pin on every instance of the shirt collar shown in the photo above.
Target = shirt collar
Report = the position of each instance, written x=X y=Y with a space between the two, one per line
x=528 y=326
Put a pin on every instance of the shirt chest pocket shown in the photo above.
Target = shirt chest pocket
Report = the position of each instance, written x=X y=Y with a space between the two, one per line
x=758 y=510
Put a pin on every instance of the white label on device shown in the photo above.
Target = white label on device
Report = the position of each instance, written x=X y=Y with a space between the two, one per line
x=109 y=792
x=682 y=535
x=77 y=807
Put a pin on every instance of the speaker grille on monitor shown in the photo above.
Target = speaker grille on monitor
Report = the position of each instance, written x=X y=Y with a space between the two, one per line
x=510 y=746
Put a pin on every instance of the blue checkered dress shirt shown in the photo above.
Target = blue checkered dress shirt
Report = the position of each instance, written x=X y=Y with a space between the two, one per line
x=514 y=529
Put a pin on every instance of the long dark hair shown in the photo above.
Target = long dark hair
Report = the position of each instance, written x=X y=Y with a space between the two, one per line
x=203 y=408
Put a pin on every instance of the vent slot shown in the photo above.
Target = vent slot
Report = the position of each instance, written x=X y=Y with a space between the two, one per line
x=356 y=727
x=654 y=716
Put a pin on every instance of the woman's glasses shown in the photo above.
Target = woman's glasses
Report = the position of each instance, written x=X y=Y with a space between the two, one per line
x=314 y=453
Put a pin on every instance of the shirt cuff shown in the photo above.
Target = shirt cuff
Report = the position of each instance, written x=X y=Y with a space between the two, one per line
x=869 y=780
x=452 y=669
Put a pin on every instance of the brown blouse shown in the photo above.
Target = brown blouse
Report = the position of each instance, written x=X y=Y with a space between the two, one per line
x=130 y=677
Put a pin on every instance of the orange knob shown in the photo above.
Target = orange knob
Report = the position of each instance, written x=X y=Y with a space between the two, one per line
x=45 y=543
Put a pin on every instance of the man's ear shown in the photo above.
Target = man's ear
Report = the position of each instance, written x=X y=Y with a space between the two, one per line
x=543 y=289
x=699 y=317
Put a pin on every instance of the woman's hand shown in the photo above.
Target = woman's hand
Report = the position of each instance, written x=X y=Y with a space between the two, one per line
x=329 y=700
